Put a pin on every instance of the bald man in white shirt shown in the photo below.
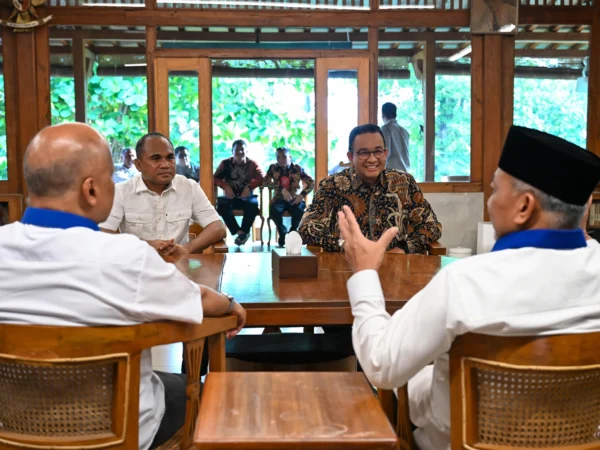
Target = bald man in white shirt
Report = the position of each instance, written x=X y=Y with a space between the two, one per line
x=540 y=279
x=57 y=268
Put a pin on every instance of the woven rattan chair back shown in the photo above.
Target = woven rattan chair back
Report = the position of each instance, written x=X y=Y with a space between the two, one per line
x=525 y=392
x=78 y=387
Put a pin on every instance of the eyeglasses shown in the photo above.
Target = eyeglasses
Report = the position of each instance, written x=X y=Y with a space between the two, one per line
x=366 y=154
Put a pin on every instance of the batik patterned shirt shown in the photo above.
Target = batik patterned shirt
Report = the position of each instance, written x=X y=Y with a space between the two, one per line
x=289 y=178
x=238 y=176
x=394 y=201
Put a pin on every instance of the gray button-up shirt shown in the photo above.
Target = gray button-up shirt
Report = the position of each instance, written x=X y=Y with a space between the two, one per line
x=396 y=139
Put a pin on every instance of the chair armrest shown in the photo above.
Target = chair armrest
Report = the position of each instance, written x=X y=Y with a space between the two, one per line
x=436 y=249
x=403 y=425
x=314 y=248
x=220 y=247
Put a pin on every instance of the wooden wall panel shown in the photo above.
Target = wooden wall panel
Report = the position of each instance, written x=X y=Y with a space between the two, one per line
x=429 y=99
x=477 y=109
x=205 y=119
x=373 y=71
x=497 y=102
x=13 y=185
x=150 y=77
x=593 y=122
x=80 y=80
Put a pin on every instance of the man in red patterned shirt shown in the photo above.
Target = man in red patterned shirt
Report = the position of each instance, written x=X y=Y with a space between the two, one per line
x=238 y=176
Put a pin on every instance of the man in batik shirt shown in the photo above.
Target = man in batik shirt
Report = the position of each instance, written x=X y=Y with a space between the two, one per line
x=285 y=177
x=380 y=198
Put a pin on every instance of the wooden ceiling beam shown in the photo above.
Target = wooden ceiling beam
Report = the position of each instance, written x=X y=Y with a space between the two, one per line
x=524 y=53
x=258 y=18
x=555 y=15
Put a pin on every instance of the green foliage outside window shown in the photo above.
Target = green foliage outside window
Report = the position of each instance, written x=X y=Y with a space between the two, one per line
x=256 y=110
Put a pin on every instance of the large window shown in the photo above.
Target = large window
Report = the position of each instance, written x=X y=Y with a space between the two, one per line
x=402 y=81
x=453 y=113
x=398 y=84
x=3 y=149
x=551 y=96
x=267 y=103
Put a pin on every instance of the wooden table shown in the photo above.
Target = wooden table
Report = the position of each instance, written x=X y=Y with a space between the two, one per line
x=291 y=410
x=304 y=302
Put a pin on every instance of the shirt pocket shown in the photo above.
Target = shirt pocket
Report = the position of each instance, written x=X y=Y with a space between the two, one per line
x=178 y=215
x=138 y=223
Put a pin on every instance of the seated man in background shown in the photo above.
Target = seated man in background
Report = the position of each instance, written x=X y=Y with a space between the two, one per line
x=285 y=177
x=127 y=168
x=380 y=198
x=57 y=269
x=238 y=176
x=157 y=205
x=184 y=166
x=539 y=279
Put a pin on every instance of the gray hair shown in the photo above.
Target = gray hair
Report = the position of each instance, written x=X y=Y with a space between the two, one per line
x=54 y=179
x=564 y=216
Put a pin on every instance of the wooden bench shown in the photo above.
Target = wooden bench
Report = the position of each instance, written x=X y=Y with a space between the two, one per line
x=291 y=410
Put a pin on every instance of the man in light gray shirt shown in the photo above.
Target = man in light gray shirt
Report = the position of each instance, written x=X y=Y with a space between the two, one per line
x=396 y=139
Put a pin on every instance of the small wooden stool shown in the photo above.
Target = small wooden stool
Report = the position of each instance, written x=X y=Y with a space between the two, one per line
x=291 y=410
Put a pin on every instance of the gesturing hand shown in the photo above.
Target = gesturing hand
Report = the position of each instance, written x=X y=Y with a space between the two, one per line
x=361 y=253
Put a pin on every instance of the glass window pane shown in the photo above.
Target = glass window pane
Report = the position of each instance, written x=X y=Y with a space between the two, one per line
x=3 y=148
x=342 y=115
x=399 y=85
x=184 y=125
x=117 y=102
x=62 y=96
x=551 y=95
x=453 y=114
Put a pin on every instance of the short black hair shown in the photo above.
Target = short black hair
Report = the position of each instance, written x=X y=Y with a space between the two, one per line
x=180 y=149
x=139 y=147
x=238 y=142
x=389 y=110
x=125 y=150
x=367 y=128
x=284 y=150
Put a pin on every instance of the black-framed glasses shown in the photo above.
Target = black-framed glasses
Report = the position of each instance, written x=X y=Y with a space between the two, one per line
x=366 y=154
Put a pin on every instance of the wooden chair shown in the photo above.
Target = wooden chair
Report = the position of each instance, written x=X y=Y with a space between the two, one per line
x=218 y=247
x=291 y=410
x=271 y=190
x=521 y=392
x=78 y=387
x=240 y=213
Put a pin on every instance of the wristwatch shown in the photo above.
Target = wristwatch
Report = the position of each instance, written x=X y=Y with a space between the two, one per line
x=231 y=301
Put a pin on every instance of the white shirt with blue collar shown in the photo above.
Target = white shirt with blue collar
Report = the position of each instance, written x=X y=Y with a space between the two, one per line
x=536 y=282
x=57 y=269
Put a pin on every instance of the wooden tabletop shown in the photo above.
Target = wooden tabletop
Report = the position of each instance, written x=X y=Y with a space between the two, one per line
x=291 y=410
x=313 y=301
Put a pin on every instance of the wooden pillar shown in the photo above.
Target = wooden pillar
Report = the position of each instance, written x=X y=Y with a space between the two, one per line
x=150 y=80
x=428 y=81
x=27 y=72
x=373 y=71
x=80 y=75
x=492 y=94
x=593 y=121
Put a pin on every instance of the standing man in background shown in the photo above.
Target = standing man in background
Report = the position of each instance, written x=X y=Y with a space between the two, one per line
x=396 y=139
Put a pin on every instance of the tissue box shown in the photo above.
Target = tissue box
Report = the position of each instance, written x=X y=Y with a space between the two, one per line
x=304 y=265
